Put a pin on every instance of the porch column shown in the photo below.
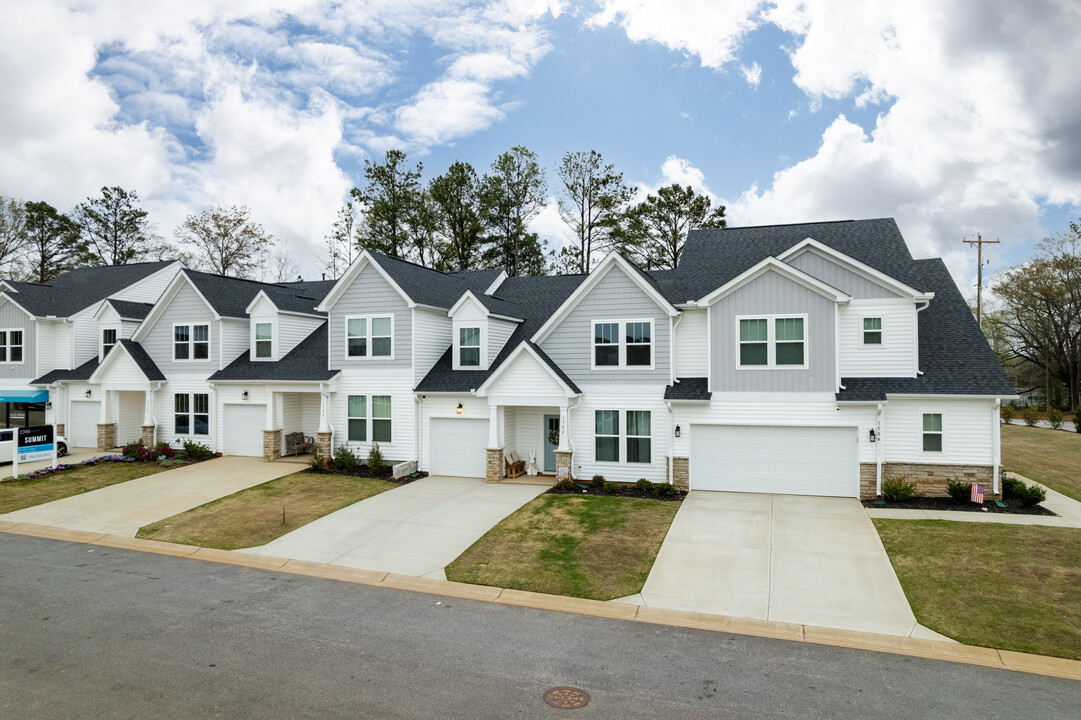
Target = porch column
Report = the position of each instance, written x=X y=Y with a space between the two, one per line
x=272 y=435
x=324 y=436
x=106 y=427
x=564 y=454
x=494 y=452
x=149 y=426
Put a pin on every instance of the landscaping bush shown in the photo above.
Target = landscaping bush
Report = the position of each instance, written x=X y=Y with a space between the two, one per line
x=1030 y=415
x=664 y=489
x=315 y=460
x=645 y=486
x=566 y=484
x=1032 y=495
x=959 y=491
x=1054 y=416
x=598 y=481
x=611 y=488
x=897 y=489
x=376 y=466
x=1007 y=413
x=1012 y=487
x=133 y=448
x=1077 y=422
x=196 y=450
x=345 y=459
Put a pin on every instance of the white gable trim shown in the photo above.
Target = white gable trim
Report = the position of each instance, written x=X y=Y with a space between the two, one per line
x=612 y=260
x=782 y=268
x=496 y=283
x=262 y=295
x=102 y=369
x=156 y=312
x=469 y=296
x=363 y=260
x=523 y=349
x=856 y=266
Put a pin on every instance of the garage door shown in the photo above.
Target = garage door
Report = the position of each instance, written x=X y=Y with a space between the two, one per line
x=82 y=431
x=244 y=430
x=457 y=447
x=789 y=460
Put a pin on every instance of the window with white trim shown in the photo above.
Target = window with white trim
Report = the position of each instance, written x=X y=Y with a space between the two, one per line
x=872 y=331
x=357 y=412
x=264 y=340
x=634 y=443
x=639 y=437
x=191 y=342
x=369 y=336
x=469 y=347
x=606 y=434
x=622 y=344
x=772 y=342
x=191 y=414
x=380 y=420
x=108 y=340
x=11 y=346
x=932 y=432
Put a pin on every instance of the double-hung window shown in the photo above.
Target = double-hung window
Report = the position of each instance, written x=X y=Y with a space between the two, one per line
x=607 y=435
x=637 y=437
x=191 y=342
x=108 y=340
x=772 y=342
x=622 y=344
x=469 y=347
x=371 y=336
x=191 y=414
x=932 y=432
x=264 y=340
x=381 y=418
x=872 y=331
x=359 y=417
x=11 y=346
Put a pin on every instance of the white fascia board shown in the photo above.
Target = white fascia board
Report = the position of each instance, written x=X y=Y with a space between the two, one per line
x=523 y=347
x=490 y=290
x=860 y=268
x=163 y=302
x=467 y=297
x=259 y=297
x=108 y=362
x=612 y=259
x=783 y=268
x=363 y=260
x=945 y=396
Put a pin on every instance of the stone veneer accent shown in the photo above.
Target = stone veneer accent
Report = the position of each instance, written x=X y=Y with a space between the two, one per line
x=563 y=459
x=322 y=441
x=148 y=435
x=493 y=466
x=106 y=436
x=681 y=472
x=60 y=429
x=930 y=479
x=272 y=445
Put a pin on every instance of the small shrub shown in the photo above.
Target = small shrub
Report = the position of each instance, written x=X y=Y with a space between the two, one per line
x=1077 y=422
x=645 y=486
x=133 y=449
x=897 y=489
x=160 y=449
x=1054 y=416
x=1007 y=413
x=598 y=481
x=665 y=489
x=567 y=484
x=196 y=450
x=1027 y=495
x=1030 y=415
x=959 y=491
x=315 y=460
x=376 y=465
x=345 y=459
x=611 y=488
x=1012 y=487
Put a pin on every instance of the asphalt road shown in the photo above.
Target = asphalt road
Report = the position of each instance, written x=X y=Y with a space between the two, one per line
x=94 y=632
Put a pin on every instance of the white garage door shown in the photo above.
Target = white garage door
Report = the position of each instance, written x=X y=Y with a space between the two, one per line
x=244 y=430
x=789 y=460
x=457 y=447
x=82 y=431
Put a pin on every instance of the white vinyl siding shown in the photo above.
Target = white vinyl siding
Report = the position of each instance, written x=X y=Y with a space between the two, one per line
x=398 y=385
x=371 y=295
x=150 y=288
x=53 y=346
x=967 y=431
x=895 y=355
x=292 y=330
x=838 y=276
x=185 y=308
x=499 y=331
x=621 y=398
x=431 y=338
x=691 y=354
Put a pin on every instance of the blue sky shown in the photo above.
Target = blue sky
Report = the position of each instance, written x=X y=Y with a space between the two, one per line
x=786 y=111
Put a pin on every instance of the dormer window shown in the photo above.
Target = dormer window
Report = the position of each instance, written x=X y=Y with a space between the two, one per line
x=264 y=340
x=469 y=347
x=191 y=342
x=108 y=340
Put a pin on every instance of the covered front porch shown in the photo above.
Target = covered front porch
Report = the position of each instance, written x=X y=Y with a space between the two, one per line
x=274 y=420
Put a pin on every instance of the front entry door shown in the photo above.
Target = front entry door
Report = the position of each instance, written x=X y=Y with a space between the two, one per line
x=551 y=423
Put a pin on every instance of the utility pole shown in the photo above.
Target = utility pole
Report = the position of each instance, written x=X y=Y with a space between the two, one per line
x=979 y=242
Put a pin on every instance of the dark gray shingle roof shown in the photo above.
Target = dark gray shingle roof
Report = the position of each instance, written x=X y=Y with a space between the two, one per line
x=83 y=372
x=131 y=310
x=73 y=291
x=306 y=362
x=143 y=360
x=688 y=389
x=230 y=296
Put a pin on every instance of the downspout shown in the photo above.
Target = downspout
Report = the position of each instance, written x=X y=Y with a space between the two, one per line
x=71 y=345
x=673 y=323
x=996 y=444
x=418 y=408
x=671 y=448
x=878 y=451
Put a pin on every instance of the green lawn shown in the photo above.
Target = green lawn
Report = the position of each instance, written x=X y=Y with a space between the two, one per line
x=1012 y=587
x=1051 y=457
x=583 y=546
x=27 y=493
x=253 y=516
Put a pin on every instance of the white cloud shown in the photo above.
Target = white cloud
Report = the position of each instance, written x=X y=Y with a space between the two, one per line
x=752 y=74
x=679 y=171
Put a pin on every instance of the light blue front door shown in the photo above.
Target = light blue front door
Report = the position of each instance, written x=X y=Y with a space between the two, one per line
x=551 y=422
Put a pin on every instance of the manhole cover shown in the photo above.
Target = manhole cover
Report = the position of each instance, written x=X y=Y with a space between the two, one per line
x=566 y=698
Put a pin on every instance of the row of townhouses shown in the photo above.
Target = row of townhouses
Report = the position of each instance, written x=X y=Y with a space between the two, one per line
x=811 y=359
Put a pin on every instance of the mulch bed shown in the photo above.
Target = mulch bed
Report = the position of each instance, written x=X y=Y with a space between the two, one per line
x=1014 y=507
x=364 y=473
x=624 y=491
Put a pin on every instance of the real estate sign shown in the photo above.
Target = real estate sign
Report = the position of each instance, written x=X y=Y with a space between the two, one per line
x=33 y=443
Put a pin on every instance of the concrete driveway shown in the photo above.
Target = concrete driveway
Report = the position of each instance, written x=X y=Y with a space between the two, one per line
x=124 y=508
x=415 y=529
x=809 y=560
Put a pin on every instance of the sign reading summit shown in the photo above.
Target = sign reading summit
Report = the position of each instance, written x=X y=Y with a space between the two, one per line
x=35 y=443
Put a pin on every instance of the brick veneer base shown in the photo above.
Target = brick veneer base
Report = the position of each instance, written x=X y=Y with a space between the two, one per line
x=930 y=479
x=493 y=466
x=106 y=436
x=60 y=429
x=681 y=474
x=272 y=445
x=148 y=435
x=322 y=441
x=564 y=459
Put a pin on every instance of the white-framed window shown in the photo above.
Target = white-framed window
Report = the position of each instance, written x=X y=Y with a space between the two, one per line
x=622 y=344
x=380 y=429
x=191 y=414
x=639 y=436
x=634 y=444
x=369 y=336
x=469 y=347
x=932 y=439
x=775 y=342
x=606 y=435
x=108 y=340
x=264 y=340
x=11 y=346
x=872 y=331
x=191 y=341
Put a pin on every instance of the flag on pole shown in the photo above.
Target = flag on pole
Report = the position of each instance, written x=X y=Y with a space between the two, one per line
x=977 y=493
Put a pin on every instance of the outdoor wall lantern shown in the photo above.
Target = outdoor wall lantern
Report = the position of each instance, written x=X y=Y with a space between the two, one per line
x=872 y=434
x=244 y=394
x=88 y=393
x=460 y=410
x=677 y=430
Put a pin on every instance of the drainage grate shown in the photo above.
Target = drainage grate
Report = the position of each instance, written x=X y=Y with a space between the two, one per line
x=566 y=698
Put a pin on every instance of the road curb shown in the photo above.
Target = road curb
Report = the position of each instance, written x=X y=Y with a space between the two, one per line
x=915 y=647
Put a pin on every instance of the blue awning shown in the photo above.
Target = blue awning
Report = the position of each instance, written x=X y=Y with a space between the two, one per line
x=24 y=396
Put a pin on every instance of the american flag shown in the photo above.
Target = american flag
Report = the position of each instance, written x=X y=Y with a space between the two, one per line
x=977 y=493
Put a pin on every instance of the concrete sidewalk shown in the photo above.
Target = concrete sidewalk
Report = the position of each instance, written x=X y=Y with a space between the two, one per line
x=124 y=508
x=416 y=529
